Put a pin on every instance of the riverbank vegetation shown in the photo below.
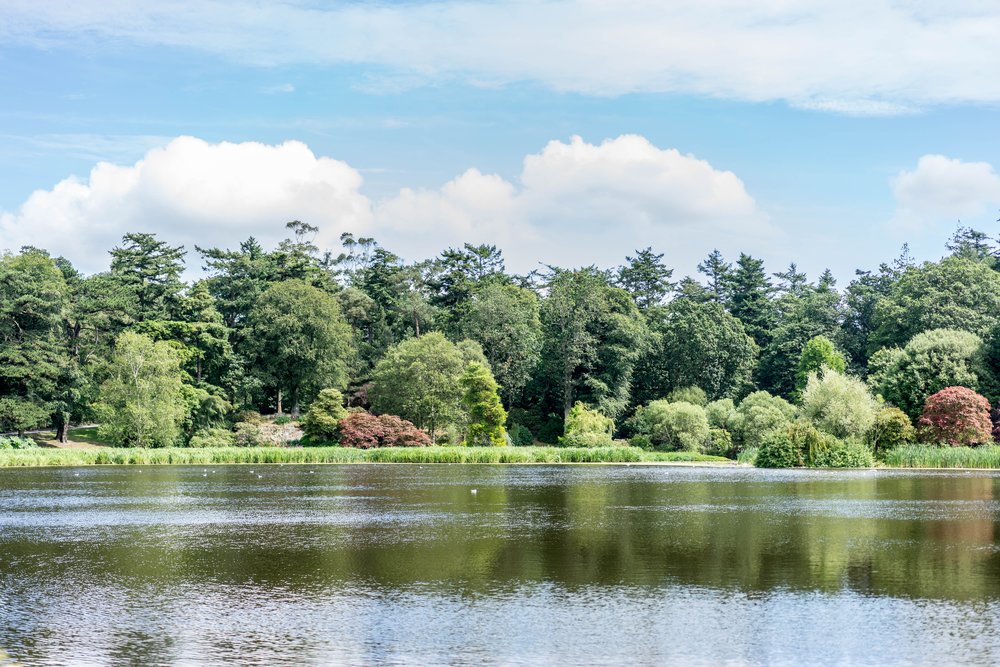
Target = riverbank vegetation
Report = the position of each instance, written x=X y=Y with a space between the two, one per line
x=301 y=345
x=261 y=455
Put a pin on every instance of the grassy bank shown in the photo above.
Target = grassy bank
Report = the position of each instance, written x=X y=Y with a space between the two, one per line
x=922 y=456
x=181 y=456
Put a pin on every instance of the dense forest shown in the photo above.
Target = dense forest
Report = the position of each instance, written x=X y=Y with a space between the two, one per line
x=359 y=346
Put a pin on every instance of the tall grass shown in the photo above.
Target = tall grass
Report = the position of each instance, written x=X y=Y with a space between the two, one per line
x=924 y=456
x=208 y=455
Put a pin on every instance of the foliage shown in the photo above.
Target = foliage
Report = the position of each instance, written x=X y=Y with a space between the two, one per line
x=641 y=441
x=850 y=453
x=720 y=413
x=505 y=320
x=839 y=405
x=675 y=426
x=362 y=430
x=213 y=437
x=930 y=362
x=748 y=456
x=957 y=416
x=778 y=450
x=818 y=355
x=892 y=428
x=140 y=402
x=586 y=428
x=748 y=292
x=16 y=442
x=520 y=436
x=20 y=415
x=757 y=416
x=322 y=419
x=931 y=456
x=693 y=395
x=485 y=416
x=720 y=442
x=419 y=381
x=298 y=341
x=646 y=278
x=954 y=293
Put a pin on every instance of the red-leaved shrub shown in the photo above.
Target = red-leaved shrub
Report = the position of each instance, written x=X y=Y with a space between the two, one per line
x=957 y=416
x=364 y=431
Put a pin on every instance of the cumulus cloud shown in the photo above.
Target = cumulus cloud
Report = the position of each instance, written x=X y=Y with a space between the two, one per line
x=944 y=189
x=190 y=191
x=578 y=202
x=862 y=57
x=573 y=203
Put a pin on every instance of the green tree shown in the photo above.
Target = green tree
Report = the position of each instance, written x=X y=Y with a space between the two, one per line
x=719 y=274
x=323 y=417
x=418 y=380
x=646 y=278
x=758 y=415
x=150 y=270
x=817 y=355
x=697 y=344
x=140 y=402
x=954 y=293
x=749 y=301
x=298 y=341
x=505 y=320
x=839 y=404
x=586 y=428
x=674 y=426
x=930 y=362
x=485 y=416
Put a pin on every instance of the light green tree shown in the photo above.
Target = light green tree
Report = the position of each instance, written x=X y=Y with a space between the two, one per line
x=818 y=354
x=322 y=419
x=585 y=427
x=485 y=416
x=140 y=403
x=675 y=425
x=758 y=415
x=839 y=404
x=418 y=380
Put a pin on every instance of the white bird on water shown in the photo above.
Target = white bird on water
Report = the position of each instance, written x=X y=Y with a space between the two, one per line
x=474 y=491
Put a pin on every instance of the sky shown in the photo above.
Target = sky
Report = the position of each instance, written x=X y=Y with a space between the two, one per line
x=822 y=132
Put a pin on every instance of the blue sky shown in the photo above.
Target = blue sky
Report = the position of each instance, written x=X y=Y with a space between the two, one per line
x=826 y=133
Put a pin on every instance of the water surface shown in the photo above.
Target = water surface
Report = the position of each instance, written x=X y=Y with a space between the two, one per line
x=405 y=564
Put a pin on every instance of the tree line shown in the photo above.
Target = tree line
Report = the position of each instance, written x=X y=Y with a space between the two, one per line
x=464 y=350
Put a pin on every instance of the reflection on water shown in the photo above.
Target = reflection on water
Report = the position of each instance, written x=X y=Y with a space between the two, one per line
x=577 y=564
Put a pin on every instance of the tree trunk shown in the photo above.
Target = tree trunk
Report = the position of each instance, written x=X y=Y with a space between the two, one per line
x=295 y=403
x=279 y=401
x=62 y=432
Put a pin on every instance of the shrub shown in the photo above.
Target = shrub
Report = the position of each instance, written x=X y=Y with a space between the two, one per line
x=720 y=442
x=675 y=426
x=850 y=453
x=321 y=420
x=520 y=436
x=485 y=416
x=362 y=430
x=720 y=412
x=839 y=405
x=748 y=456
x=692 y=395
x=641 y=441
x=281 y=420
x=586 y=428
x=213 y=437
x=778 y=450
x=891 y=429
x=17 y=442
x=757 y=416
x=956 y=416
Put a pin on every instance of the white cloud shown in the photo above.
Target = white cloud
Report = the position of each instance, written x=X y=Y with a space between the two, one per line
x=578 y=203
x=574 y=203
x=189 y=192
x=943 y=189
x=858 y=57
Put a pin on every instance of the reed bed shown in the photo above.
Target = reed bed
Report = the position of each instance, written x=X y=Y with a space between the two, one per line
x=923 y=456
x=259 y=455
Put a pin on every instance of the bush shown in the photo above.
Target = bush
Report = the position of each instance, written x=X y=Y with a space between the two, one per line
x=720 y=442
x=891 y=429
x=839 y=405
x=778 y=450
x=748 y=456
x=17 y=442
x=586 y=428
x=323 y=417
x=281 y=420
x=720 y=412
x=850 y=453
x=641 y=441
x=213 y=437
x=692 y=395
x=957 y=416
x=674 y=426
x=520 y=436
x=757 y=416
x=362 y=430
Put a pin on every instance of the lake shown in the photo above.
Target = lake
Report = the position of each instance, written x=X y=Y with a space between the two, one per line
x=452 y=564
